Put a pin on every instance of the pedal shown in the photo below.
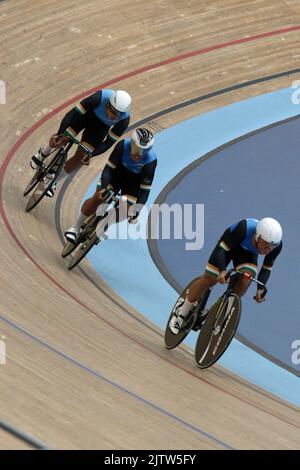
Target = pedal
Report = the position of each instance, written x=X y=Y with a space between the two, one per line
x=200 y=320
x=197 y=326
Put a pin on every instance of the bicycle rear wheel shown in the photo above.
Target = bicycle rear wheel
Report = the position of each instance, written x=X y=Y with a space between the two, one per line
x=171 y=340
x=33 y=182
x=41 y=189
x=218 y=330
x=83 y=249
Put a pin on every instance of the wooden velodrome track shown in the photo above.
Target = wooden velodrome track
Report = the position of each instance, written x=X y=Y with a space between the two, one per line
x=83 y=369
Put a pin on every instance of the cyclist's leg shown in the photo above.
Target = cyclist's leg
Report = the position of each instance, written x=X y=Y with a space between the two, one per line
x=55 y=141
x=207 y=281
x=118 y=213
x=124 y=182
x=38 y=158
x=127 y=183
x=210 y=276
x=130 y=188
x=45 y=150
x=88 y=208
x=93 y=135
x=77 y=127
x=75 y=161
x=91 y=206
x=197 y=289
x=244 y=261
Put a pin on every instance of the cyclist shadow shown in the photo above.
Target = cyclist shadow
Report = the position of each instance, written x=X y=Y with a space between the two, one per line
x=14 y=202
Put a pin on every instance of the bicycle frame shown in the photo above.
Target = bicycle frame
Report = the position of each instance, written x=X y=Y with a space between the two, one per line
x=232 y=282
x=221 y=323
x=80 y=145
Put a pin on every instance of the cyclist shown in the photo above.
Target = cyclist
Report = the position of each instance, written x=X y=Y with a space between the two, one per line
x=241 y=243
x=130 y=169
x=103 y=117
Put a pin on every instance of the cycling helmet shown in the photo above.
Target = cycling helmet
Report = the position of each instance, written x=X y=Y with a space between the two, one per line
x=143 y=138
x=269 y=230
x=120 y=101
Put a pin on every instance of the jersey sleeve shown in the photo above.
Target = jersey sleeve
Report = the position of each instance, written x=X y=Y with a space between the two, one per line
x=228 y=241
x=76 y=114
x=118 y=129
x=266 y=268
x=147 y=176
x=235 y=237
x=90 y=103
x=113 y=162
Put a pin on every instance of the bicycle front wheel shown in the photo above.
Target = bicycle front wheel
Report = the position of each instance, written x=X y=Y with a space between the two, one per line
x=55 y=165
x=83 y=249
x=218 y=330
x=37 y=195
x=33 y=182
x=68 y=248
x=85 y=228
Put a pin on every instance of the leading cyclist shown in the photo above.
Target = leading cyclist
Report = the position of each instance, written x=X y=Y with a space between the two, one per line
x=241 y=243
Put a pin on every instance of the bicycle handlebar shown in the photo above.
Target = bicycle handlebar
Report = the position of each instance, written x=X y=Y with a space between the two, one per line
x=82 y=146
x=247 y=276
x=110 y=195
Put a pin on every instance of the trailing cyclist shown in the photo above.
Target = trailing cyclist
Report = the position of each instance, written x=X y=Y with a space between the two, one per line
x=130 y=169
x=103 y=117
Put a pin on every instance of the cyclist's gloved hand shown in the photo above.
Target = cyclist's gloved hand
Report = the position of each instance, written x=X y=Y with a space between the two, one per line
x=222 y=278
x=57 y=140
x=133 y=214
x=133 y=220
x=259 y=297
x=102 y=194
x=86 y=159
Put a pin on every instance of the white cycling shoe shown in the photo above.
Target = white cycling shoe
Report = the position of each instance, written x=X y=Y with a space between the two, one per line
x=71 y=234
x=48 y=178
x=176 y=323
x=37 y=159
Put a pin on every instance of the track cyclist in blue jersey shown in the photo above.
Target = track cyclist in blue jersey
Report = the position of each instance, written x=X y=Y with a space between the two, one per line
x=241 y=243
x=130 y=170
x=103 y=117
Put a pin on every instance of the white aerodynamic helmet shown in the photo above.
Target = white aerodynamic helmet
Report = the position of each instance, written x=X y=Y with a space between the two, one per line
x=269 y=230
x=121 y=101
x=143 y=138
